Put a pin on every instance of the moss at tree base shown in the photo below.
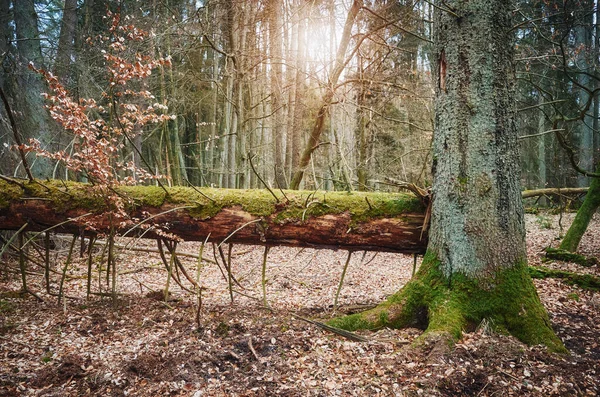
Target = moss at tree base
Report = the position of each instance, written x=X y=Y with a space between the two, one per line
x=508 y=302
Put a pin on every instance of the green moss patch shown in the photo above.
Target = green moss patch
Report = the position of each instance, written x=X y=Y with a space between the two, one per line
x=360 y=206
x=9 y=192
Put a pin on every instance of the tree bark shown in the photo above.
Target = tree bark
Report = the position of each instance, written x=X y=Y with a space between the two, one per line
x=365 y=221
x=475 y=267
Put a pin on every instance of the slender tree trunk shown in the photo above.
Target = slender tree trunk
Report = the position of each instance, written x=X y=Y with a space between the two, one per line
x=475 y=267
x=35 y=122
x=541 y=146
x=317 y=130
x=212 y=119
x=361 y=131
x=584 y=215
x=8 y=160
x=66 y=41
x=276 y=60
x=291 y=74
x=586 y=133
x=300 y=80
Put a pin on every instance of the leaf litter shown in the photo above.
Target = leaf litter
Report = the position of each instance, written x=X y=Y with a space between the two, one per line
x=143 y=346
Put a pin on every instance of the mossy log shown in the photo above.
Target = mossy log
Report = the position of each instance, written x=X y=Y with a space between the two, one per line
x=352 y=221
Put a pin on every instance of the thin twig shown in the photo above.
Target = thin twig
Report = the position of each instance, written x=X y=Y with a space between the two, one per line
x=346 y=334
x=250 y=157
x=16 y=135
x=252 y=349
x=264 y=275
x=341 y=283
x=199 y=191
x=10 y=180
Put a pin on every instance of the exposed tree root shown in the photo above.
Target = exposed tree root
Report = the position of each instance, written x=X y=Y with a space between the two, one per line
x=585 y=281
x=445 y=308
x=567 y=256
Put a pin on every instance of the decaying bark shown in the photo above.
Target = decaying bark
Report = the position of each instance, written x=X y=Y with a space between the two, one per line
x=357 y=221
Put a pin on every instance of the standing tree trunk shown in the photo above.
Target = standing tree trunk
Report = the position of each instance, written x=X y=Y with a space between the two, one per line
x=6 y=32
x=361 y=129
x=300 y=90
x=583 y=38
x=584 y=215
x=35 y=122
x=66 y=41
x=475 y=266
x=8 y=160
x=275 y=47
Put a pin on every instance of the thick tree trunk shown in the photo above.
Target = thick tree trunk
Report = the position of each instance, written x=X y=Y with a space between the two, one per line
x=475 y=268
x=361 y=221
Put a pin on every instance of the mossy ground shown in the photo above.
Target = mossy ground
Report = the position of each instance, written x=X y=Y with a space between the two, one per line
x=508 y=302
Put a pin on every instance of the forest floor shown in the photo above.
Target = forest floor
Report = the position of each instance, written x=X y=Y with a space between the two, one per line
x=142 y=346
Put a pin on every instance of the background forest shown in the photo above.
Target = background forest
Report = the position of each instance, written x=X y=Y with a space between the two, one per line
x=202 y=92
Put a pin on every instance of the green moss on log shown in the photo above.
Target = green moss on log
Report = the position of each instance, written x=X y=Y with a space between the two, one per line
x=508 y=301
x=10 y=192
x=584 y=281
x=293 y=207
x=66 y=195
x=360 y=206
x=205 y=203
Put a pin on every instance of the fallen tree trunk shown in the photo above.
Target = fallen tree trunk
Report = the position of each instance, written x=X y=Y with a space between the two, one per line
x=339 y=220
x=554 y=191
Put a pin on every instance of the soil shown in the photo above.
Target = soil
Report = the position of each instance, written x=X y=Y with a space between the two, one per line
x=140 y=345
